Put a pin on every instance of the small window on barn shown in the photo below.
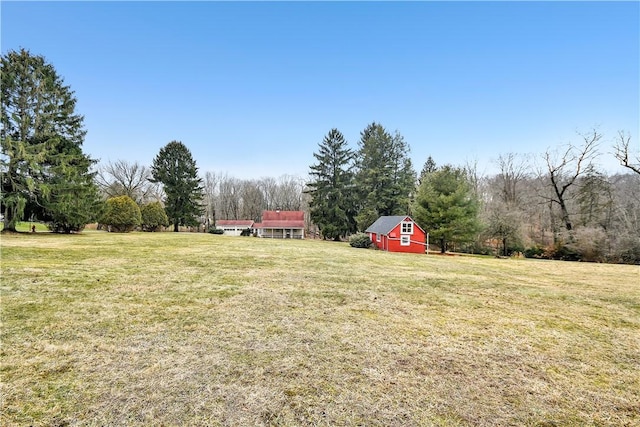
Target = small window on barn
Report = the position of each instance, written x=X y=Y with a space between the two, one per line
x=378 y=237
x=405 y=241
x=407 y=227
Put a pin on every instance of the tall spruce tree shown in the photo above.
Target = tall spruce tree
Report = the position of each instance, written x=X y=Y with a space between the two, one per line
x=446 y=207
x=428 y=167
x=332 y=203
x=385 y=179
x=44 y=171
x=74 y=199
x=176 y=170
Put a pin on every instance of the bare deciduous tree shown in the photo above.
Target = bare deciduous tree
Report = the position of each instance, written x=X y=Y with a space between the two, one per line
x=289 y=193
x=121 y=178
x=269 y=187
x=473 y=176
x=252 y=200
x=622 y=152
x=229 y=197
x=211 y=181
x=513 y=169
x=565 y=169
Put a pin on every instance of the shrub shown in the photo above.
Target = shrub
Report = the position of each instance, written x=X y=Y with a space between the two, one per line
x=562 y=251
x=534 y=252
x=627 y=251
x=153 y=217
x=360 y=240
x=515 y=248
x=630 y=254
x=590 y=243
x=122 y=214
x=477 y=248
x=214 y=230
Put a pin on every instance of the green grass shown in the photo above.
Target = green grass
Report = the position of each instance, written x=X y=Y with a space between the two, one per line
x=25 y=226
x=197 y=329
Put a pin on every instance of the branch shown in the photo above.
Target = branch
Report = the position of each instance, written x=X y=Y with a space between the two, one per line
x=622 y=152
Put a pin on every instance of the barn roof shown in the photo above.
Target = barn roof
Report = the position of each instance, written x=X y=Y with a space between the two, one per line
x=385 y=224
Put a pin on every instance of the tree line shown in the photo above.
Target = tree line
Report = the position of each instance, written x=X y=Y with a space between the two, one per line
x=350 y=189
x=557 y=205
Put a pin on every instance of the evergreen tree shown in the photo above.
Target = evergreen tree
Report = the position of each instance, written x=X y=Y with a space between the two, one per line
x=74 y=199
x=594 y=199
x=429 y=166
x=44 y=172
x=385 y=179
x=175 y=168
x=446 y=208
x=332 y=208
x=153 y=216
x=122 y=214
x=503 y=224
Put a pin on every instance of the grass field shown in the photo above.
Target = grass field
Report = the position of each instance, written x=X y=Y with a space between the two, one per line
x=196 y=329
x=25 y=226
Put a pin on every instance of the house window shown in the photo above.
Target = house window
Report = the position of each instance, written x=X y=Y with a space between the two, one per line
x=404 y=241
x=377 y=237
x=407 y=227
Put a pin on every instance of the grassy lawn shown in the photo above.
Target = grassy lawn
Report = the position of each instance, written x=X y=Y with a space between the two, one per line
x=197 y=329
x=25 y=226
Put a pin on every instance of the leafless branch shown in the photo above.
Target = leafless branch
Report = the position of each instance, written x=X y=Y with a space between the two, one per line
x=622 y=148
x=565 y=170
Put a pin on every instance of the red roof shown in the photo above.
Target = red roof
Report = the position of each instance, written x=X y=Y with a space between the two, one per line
x=234 y=222
x=282 y=219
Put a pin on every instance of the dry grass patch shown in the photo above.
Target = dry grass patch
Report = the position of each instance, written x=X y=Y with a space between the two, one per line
x=195 y=329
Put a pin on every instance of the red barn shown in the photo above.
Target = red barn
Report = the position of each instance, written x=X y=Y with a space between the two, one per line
x=397 y=234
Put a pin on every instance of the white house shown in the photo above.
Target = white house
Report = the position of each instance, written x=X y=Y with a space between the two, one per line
x=233 y=227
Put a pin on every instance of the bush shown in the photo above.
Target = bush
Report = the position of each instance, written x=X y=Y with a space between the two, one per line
x=583 y=244
x=627 y=251
x=630 y=255
x=214 y=230
x=360 y=240
x=590 y=243
x=515 y=248
x=122 y=214
x=562 y=252
x=534 y=252
x=477 y=248
x=153 y=217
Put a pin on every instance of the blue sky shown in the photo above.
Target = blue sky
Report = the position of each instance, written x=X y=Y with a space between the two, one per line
x=252 y=88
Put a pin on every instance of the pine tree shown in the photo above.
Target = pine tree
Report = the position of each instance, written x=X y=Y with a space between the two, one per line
x=153 y=216
x=332 y=208
x=429 y=166
x=175 y=168
x=122 y=214
x=74 y=199
x=594 y=199
x=385 y=178
x=44 y=172
x=446 y=208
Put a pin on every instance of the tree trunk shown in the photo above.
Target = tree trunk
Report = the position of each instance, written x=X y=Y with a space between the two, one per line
x=443 y=246
x=565 y=215
x=175 y=227
x=10 y=220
